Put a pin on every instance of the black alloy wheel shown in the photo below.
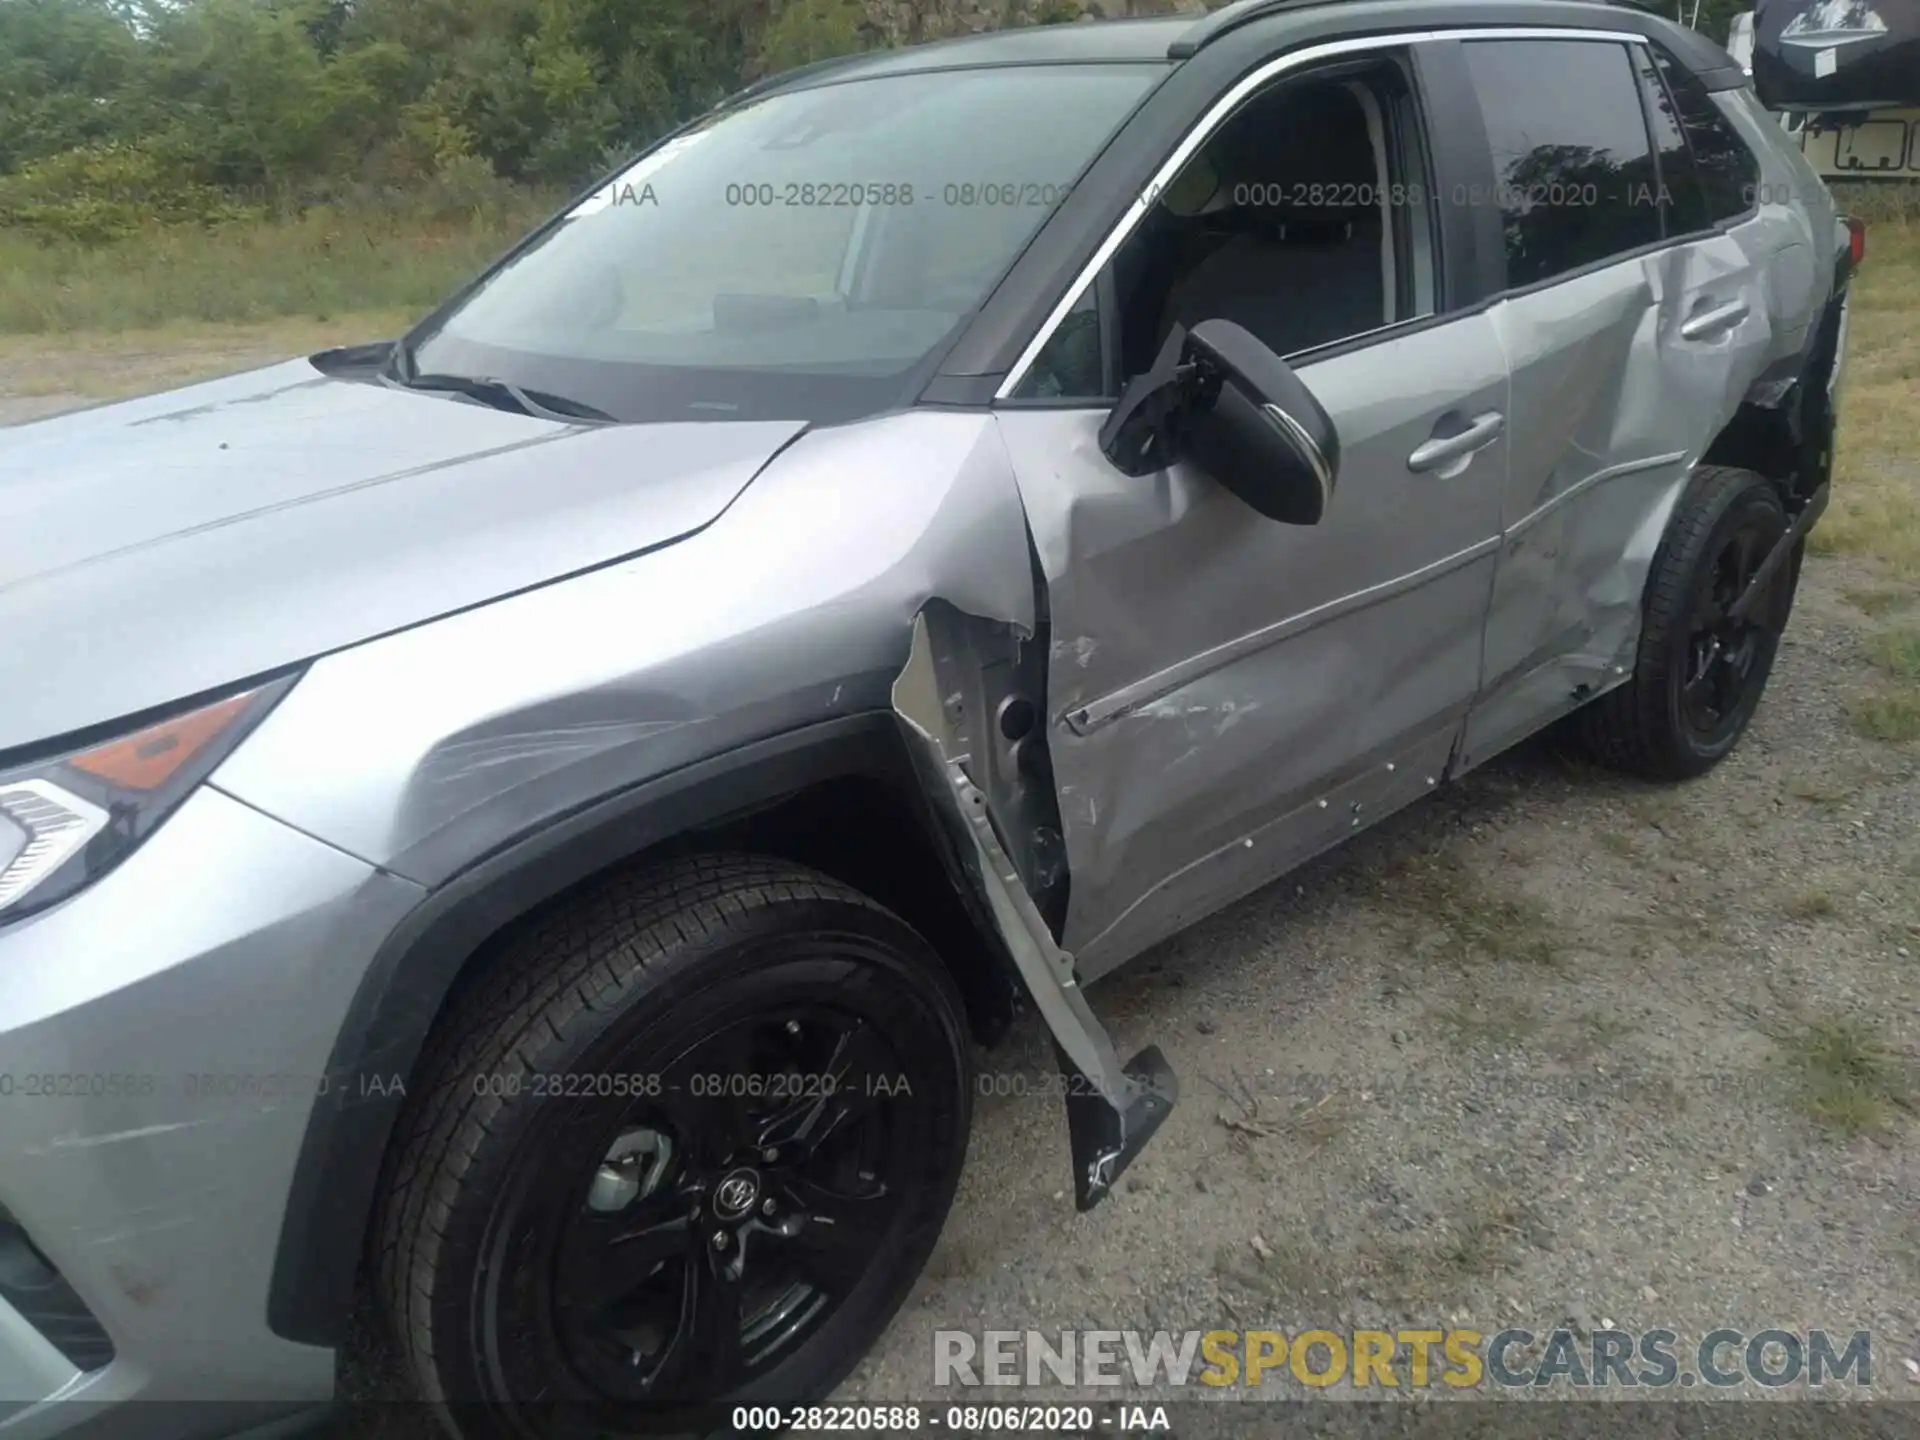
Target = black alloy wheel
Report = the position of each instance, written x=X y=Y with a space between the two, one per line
x=683 y=1147
x=732 y=1212
x=1698 y=673
x=1725 y=666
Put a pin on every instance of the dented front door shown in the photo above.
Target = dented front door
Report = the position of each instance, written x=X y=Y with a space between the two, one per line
x=1228 y=695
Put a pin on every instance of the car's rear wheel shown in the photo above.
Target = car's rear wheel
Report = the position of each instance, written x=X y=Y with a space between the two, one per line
x=684 y=1147
x=1699 y=673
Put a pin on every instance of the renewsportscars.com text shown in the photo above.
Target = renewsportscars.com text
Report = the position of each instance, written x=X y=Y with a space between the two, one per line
x=1404 y=1358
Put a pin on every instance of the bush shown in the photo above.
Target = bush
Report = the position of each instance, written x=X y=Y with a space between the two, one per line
x=1879 y=201
x=802 y=31
x=378 y=252
x=111 y=192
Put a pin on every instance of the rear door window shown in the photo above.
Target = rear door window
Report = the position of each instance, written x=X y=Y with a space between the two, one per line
x=1574 y=176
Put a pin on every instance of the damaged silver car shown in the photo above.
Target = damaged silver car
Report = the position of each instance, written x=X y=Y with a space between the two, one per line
x=541 y=814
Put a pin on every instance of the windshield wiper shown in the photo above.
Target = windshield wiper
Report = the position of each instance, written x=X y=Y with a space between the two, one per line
x=490 y=390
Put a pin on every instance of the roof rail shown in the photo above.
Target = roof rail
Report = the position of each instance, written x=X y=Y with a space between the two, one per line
x=1209 y=28
x=781 y=78
x=1219 y=22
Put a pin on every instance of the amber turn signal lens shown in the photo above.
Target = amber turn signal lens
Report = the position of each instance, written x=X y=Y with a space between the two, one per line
x=148 y=758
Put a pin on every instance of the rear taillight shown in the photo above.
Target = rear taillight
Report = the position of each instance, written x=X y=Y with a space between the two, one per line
x=1856 y=240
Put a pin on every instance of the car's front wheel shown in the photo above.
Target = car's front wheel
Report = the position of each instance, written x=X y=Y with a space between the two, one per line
x=1699 y=672
x=685 y=1146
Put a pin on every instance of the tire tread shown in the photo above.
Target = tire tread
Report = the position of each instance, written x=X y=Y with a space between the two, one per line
x=580 y=959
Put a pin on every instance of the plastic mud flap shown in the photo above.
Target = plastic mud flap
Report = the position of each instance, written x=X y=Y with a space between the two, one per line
x=1112 y=1109
x=1776 y=558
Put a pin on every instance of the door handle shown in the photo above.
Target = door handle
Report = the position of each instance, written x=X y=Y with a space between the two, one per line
x=1481 y=432
x=1712 y=322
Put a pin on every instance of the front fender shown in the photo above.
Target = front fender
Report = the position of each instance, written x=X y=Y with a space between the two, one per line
x=403 y=989
x=500 y=755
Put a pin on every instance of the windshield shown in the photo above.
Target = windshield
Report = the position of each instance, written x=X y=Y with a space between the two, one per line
x=798 y=258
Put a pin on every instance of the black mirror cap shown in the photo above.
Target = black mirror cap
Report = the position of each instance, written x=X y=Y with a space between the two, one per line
x=1264 y=435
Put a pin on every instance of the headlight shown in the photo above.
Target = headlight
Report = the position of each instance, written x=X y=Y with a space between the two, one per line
x=67 y=819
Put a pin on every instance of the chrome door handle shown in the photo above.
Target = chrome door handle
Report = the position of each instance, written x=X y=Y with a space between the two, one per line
x=1479 y=434
x=1712 y=322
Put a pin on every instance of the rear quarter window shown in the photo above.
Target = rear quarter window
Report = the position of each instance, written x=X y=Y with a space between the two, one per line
x=1729 y=171
x=1683 y=195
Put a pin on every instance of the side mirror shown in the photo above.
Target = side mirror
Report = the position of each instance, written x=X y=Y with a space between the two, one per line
x=1217 y=397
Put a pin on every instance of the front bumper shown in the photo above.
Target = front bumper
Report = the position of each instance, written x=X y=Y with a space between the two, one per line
x=161 y=1039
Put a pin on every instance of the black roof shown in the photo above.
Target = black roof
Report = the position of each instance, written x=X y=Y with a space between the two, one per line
x=1169 y=39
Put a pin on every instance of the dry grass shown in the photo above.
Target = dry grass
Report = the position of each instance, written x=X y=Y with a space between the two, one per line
x=1591 y=1034
x=1484 y=1242
x=1876 y=501
x=1248 y=1118
x=1876 y=494
x=105 y=365
x=1470 y=922
x=1287 y=1270
x=1619 y=845
x=1877 y=202
x=1500 y=1022
x=1811 y=905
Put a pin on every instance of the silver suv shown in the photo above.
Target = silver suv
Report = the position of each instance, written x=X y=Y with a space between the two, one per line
x=540 y=814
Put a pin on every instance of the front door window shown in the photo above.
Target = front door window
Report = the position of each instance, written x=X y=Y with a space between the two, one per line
x=1306 y=218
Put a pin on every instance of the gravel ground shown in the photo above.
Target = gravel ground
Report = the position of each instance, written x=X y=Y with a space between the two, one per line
x=1551 y=1048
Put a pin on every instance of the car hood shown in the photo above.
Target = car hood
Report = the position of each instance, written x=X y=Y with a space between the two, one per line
x=157 y=548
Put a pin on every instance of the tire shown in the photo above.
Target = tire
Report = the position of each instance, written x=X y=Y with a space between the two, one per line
x=548 y=1247
x=1697 y=678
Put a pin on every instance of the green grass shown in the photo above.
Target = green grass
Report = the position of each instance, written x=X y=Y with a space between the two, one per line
x=1816 y=791
x=1877 y=600
x=1891 y=712
x=1890 y=715
x=1849 y=1079
x=325 y=263
x=1897 y=652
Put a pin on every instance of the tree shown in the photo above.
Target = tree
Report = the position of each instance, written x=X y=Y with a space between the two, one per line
x=62 y=66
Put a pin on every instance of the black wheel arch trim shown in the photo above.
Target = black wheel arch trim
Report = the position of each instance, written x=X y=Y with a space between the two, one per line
x=337 y=1174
